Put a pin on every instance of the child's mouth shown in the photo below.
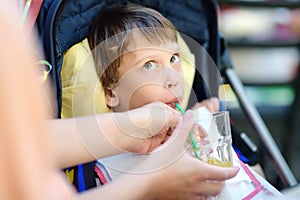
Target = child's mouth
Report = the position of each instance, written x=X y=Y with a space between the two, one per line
x=172 y=104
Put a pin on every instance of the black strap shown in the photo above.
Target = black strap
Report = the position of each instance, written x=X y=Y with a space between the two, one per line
x=89 y=175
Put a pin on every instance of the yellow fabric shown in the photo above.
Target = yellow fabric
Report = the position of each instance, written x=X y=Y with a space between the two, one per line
x=188 y=66
x=70 y=175
x=82 y=93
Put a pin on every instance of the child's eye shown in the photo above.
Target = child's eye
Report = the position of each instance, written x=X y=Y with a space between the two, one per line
x=175 y=58
x=149 y=65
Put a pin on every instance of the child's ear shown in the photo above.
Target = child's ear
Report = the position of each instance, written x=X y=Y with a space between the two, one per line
x=111 y=98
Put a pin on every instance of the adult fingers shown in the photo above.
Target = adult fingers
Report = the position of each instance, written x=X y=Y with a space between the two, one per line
x=172 y=116
x=216 y=173
x=160 y=117
x=176 y=141
x=157 y=140
x=172 y=149
x=211 y=188
x=181 y=132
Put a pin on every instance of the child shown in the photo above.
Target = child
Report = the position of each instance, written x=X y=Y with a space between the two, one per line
x=80 y=67
x=137 y=59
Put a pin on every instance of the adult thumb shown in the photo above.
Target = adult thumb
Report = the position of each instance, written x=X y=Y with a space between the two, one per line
x=181 y=132
x=185 y=127
x=171 y=150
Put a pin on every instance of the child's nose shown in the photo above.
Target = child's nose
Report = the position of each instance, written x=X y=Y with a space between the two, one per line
x=172 y=79
x=171 y=84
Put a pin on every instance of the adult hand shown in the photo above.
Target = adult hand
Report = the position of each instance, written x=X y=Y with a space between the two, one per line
x=145 y=128
x=180 y=176
x=189 y=178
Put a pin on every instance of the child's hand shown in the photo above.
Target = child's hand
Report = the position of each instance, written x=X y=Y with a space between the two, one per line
x=200 y=134
x=212 y=104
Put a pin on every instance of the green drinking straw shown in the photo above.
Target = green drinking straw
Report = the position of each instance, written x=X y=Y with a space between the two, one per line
x=191 y=135
x=25 y=11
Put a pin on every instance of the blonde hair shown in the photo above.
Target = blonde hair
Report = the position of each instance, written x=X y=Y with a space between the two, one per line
x=112 y=32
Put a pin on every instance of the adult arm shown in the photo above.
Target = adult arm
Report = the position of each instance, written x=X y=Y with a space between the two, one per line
x=27 y=170
x=84 y=139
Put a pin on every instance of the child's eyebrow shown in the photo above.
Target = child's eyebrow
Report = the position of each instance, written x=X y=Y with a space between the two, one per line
x=153 y=55
x=145 y=58
x=175 y=49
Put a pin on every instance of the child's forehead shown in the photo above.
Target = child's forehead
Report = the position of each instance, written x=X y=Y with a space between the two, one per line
x=137 y=45
x=138 y=40
x=170 y=48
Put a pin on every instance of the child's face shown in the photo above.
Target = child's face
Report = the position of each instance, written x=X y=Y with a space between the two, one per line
x=147 y=75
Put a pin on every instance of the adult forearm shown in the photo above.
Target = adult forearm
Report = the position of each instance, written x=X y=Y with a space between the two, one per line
x=80 y=140
x=83 y=139
x=128 y=187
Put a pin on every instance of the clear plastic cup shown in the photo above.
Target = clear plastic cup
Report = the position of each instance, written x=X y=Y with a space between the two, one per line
x=211 y=140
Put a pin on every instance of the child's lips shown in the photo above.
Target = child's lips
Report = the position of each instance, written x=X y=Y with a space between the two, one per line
x=172 y=103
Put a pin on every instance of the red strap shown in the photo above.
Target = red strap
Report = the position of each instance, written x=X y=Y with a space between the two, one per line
x=100 y=174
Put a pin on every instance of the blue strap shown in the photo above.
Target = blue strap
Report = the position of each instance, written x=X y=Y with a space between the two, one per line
x=240 y=154
x=80 y=179
x=222 y=105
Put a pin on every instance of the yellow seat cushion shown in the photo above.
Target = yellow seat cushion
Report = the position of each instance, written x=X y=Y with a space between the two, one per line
x=82 y=93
